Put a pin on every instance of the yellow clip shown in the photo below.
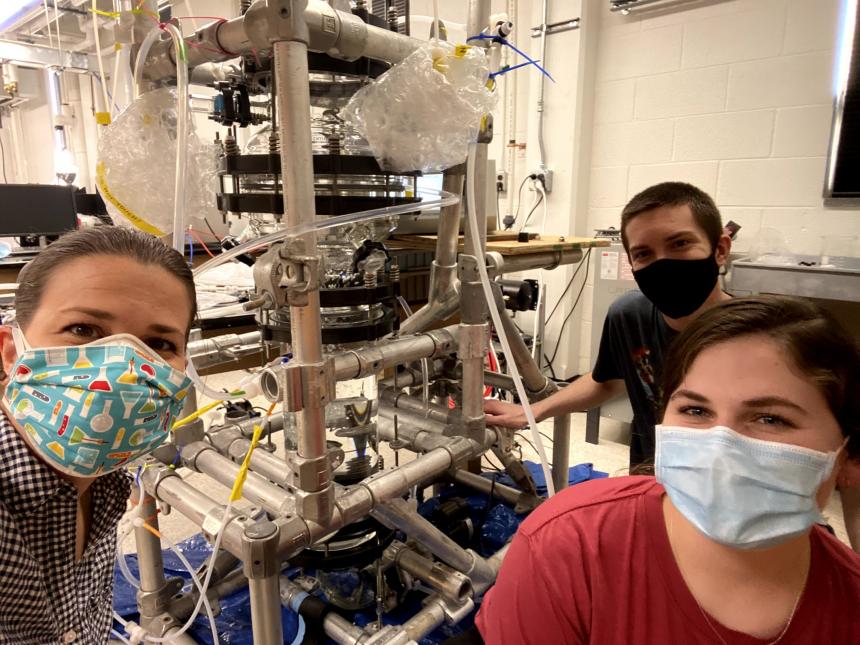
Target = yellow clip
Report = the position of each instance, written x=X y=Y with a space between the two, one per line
x=138 y=221
x=117 y=46
x=236 y=493
x=181 y=422
x=106 y=14
x=460 y=50
x=103 y=118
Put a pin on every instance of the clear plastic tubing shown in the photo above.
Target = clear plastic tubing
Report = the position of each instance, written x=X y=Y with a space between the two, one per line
x=497 y=321
x=444 y=199
x=182 y=115
x=202 y=588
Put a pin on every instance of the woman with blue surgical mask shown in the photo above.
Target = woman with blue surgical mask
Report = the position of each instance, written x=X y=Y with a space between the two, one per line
x=94 y=366
x=725 y=545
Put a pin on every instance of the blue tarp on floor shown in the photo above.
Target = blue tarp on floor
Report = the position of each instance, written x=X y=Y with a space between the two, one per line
x=495 y=526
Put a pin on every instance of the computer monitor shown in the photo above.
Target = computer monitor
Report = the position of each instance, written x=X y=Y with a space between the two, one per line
x=35 y=209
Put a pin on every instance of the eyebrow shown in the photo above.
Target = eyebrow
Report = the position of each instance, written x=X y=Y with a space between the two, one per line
x=771 y=401
x=156 y=328
x=760 y=402
x=671 y=238
x=695 y=396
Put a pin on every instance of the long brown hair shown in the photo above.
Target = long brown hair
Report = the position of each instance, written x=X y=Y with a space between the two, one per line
x=815 y=342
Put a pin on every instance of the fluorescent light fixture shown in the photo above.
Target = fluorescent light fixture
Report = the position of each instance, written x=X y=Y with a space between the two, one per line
x=11 y=11
x=845 y=46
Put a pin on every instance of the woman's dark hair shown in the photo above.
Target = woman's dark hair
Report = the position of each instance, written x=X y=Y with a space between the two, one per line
x=675 y=193
x=816 y=343
x=101 y=240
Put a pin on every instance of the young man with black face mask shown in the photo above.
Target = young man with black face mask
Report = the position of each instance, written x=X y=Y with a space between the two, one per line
x=673 y=235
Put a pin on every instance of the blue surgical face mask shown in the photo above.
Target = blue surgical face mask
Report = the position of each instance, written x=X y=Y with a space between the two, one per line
x=90 y=409
x=741 y=492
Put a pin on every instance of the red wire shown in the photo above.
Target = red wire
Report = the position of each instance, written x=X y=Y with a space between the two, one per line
x=199 y=239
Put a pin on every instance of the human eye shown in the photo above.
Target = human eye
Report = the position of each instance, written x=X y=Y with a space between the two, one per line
x=773 y=420
x=162 y=345
x=83 y=332
x=695 y=411
x=680 y=244
x=641 y=254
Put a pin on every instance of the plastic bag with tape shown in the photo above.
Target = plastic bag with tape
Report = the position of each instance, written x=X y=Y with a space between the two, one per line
x=423 y=112
x=137 y=167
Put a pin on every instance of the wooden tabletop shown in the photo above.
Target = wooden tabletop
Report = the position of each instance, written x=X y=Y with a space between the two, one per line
x=504 y=243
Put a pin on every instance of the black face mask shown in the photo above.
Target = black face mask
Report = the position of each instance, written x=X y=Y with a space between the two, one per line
x=678 y=287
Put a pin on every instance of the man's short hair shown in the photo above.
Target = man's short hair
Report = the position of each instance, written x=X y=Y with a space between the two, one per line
x=675 y=193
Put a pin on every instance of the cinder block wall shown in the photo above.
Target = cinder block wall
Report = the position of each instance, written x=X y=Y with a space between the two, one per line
x=734 y=96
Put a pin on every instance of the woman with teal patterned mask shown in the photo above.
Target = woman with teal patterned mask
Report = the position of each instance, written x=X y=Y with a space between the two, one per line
x=94 y=369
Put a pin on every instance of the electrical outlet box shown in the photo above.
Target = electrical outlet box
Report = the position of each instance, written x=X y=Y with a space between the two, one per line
x=545 y=176
x=501 y=182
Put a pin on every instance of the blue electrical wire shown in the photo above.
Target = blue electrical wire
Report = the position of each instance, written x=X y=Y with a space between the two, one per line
x=190 y=250
x=507 y=43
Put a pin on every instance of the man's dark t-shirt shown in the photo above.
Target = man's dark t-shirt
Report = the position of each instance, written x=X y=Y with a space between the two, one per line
x=633 y=347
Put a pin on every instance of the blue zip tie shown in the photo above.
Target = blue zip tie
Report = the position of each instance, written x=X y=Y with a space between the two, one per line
x=503 y=41
x=509 y=68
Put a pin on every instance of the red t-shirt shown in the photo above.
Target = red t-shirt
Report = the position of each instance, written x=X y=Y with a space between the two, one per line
x=594 y=565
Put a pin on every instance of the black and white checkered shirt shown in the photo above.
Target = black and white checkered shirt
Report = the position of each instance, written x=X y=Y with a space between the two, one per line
x=47 y=598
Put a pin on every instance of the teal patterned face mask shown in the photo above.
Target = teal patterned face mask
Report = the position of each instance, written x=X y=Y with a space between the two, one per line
x=90 y=409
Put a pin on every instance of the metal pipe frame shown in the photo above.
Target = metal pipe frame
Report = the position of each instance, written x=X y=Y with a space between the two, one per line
x=288 y=31
x=371 y=360
x=443 y=297
x=306 y=506
x=451 y=585
x=539 y=387
x=401 y=401
x=499 y=265
x=219 y=350
x=397 y=514
x=337 y=33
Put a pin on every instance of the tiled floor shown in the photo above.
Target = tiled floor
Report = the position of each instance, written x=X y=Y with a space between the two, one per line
x=611 y=455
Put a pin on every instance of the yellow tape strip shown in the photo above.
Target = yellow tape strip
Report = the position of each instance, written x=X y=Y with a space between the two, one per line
x=103 y=118
x=181 y=422
x=138 y=221
x=236 y=493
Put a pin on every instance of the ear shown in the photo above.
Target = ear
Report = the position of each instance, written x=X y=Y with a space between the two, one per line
x=8 y=353
x=724 y=247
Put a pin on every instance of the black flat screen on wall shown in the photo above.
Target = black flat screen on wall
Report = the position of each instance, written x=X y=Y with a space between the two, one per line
x=843 y=160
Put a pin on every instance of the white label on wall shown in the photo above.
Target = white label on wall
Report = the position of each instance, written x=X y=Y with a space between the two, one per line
x=626 y=270
x=609 y=265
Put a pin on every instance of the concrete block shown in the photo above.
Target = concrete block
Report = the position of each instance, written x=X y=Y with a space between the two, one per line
x=608 y=186
x=771 y=182
x=803 y=79
x=748 y=35
x=639 y=53
x=680 y=93
x=614 y=100
x=802 y=131
x=702 y=174
x=632 y=142
x=730 y=135
x=602 y=218
x=811 y=26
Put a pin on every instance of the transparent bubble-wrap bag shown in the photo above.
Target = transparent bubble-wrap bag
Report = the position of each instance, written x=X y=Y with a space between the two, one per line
x=137 y=167
x=423 y=112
